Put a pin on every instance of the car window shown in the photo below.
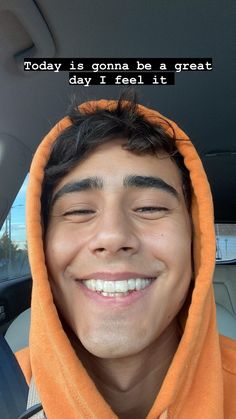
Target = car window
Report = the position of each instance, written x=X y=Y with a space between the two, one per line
x=225 y=243
x=13 y=245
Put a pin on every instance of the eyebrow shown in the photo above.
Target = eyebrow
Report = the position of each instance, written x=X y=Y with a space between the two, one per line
x=131 y=181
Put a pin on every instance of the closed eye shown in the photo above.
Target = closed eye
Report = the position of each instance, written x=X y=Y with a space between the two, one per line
x=148 y=210
x=79 y=212
x=151 y=209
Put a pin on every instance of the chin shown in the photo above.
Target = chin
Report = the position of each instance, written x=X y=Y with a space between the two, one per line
x=110 y=346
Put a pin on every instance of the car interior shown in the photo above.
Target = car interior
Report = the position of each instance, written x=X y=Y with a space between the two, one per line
x=31 y=102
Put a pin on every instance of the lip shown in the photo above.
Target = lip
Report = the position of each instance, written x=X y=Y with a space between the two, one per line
x=117 y=302
x=116 y=276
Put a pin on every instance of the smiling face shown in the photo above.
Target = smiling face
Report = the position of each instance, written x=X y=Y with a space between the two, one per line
x=119 y=217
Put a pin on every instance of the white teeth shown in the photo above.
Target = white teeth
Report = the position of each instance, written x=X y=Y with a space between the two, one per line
x=122 y=286
x=116 y=286
x=109 y=286
x=131 y=284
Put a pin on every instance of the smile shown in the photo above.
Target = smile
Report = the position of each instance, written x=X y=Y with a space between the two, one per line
x=116 y=288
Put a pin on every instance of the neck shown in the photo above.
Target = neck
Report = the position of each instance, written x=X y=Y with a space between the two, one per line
x=130 y=385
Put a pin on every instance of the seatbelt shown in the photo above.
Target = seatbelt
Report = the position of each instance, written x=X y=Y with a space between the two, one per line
x=34 y=406
x=13 y=387
x=15 y=394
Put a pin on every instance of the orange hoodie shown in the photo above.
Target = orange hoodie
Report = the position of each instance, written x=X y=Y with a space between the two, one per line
x=201 y=380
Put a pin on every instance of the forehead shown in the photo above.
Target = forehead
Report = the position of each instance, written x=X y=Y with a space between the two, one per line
x=111 y=162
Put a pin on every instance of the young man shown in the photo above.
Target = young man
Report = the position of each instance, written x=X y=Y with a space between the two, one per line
x=122 y=255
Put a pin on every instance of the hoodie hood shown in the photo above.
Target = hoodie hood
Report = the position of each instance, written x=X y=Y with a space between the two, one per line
x=193 y=384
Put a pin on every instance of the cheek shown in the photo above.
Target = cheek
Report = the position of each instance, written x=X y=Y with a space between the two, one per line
x=61 y=246
x=171 y=244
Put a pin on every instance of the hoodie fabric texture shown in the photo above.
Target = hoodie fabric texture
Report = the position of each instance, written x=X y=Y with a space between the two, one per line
x=201 y=380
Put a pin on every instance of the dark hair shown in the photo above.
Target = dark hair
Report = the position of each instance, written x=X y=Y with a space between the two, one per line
x=94 y=127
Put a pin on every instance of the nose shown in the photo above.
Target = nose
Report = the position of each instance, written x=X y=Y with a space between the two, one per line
x=114 y=234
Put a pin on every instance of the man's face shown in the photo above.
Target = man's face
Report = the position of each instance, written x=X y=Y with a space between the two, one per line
x=119 y=217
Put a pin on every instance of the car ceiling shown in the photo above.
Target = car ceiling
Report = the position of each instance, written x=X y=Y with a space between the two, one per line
x=202 y=103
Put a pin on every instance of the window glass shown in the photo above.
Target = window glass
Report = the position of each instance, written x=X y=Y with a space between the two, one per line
x=13 y=246
x=225 y=242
